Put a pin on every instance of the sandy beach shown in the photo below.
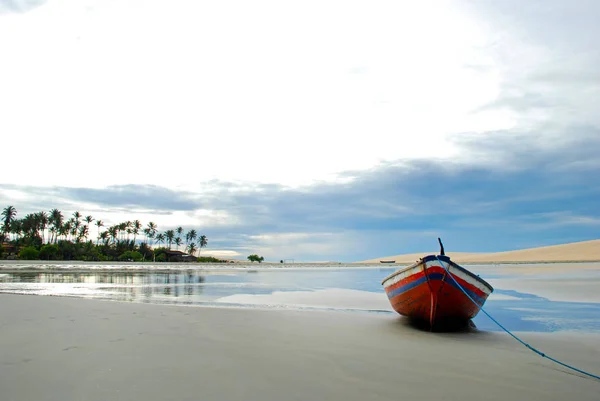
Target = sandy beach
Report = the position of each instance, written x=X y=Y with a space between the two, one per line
x=585 y=251
x=56 y=348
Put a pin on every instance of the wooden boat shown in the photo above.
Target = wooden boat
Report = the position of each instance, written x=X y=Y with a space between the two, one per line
x=428 y=291
x=387 y=261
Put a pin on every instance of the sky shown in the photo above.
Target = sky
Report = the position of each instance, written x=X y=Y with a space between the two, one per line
x=315 y=130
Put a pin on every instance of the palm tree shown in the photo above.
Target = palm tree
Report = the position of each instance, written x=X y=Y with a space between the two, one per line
x=30 y=226
x=145 y=250
x=56 y=219
x=151 y=231
x=99 y=223
x=42 y=218
x=202 y=242
x=191 y=236
x=88 y=220
x=136 y=229
x=121 y=227
x=75 y=228
x=128 y=225
x=34 y=227
x=160 y=238
x=113 y=231
x=104 y=235
x=65 y=229
x=76 y=217
x=82 y=233
x=16 y=228
x=169 y=235
x=9 y=215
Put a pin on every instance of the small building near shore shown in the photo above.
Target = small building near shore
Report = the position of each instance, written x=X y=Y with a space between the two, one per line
x=9 y=250
x=179 y=256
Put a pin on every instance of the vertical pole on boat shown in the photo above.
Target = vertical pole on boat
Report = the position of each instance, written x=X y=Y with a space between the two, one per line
x=434 y=293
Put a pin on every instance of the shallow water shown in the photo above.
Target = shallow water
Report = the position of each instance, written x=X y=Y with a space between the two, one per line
x=334 y=287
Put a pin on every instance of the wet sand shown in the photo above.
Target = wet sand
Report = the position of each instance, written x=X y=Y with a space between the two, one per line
x=554 y=289
x=556 y=282
x=55 y=348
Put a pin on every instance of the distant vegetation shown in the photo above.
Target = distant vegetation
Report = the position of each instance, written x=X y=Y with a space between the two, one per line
x=49 y=236
x=255 y=258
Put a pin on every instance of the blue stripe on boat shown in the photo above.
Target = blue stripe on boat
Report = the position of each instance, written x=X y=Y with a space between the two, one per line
x=432 y=276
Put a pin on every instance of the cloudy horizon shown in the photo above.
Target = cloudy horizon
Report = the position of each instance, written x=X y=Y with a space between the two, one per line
x=313 y=131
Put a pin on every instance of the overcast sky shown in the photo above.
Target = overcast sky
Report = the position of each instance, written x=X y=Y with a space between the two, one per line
x=314 y=130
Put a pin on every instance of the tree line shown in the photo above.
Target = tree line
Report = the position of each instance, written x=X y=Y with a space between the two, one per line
x=55 y=236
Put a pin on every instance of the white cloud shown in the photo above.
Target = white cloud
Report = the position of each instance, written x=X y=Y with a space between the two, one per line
x=226 y=254
x=203 y=218
x=96 y=93
x=277 y=246
x=118 y=92
x=15 y=195
x=567 y=218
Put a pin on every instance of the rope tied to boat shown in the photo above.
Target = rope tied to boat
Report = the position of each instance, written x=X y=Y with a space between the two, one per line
x=514 y=336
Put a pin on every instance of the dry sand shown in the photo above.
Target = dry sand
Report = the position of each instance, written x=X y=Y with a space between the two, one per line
x=585 y=251
x=74 y=349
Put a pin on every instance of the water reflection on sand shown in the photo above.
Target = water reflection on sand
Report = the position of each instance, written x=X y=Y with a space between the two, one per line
x=526 y=300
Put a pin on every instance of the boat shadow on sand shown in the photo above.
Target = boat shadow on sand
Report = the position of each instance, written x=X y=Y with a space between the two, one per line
x=411 y=328
x=442 y=326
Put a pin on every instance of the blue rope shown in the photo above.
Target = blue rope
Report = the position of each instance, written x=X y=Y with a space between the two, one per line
x=511 y=334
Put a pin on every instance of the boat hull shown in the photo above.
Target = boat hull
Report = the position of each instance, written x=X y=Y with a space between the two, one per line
x=425 y=291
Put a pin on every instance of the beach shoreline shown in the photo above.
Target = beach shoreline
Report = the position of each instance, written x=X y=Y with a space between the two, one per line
x=73 y=348
x=7 y=264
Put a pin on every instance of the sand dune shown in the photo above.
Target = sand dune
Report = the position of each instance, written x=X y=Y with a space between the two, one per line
x=586 y=251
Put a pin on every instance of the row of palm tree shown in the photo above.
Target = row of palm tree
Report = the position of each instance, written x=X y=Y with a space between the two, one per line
x=53 y=227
